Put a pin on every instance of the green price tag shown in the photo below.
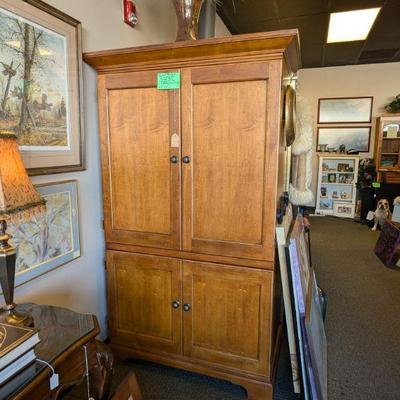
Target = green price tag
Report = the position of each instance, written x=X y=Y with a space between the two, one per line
x=376 y=185
x=168 y=80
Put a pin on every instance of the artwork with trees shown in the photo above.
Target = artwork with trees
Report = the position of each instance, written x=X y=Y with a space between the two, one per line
x=33 y=84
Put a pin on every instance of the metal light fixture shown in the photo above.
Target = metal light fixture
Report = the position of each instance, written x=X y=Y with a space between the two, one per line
x=19 y=202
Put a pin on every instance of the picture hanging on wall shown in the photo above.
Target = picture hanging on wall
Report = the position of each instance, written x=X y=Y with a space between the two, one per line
x=50 y=239
x=41 y=85
x=352 y=138
x=345 y=110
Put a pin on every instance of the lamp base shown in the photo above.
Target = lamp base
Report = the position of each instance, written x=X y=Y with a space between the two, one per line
x=12 y=317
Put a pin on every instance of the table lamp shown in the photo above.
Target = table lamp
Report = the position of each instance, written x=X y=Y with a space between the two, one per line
x=19 y=202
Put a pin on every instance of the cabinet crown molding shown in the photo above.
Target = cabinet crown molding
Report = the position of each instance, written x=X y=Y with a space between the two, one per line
x=277 y=44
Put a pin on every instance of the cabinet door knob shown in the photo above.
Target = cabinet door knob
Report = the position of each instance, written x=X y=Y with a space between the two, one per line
x=187 y=307
x=186 y=159
x=176 y=304
x=174 y=159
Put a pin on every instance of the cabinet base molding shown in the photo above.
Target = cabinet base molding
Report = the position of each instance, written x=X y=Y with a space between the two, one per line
x=256 y=389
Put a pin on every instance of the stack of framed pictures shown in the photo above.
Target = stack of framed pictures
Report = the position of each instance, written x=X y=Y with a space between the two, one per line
x=341 y=114
x=304 y=312
x=41 y=103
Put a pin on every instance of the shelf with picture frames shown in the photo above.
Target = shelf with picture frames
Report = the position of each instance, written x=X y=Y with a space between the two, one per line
x=335 y=197
x=337 y=183
x=338 y=172
x=387 y=148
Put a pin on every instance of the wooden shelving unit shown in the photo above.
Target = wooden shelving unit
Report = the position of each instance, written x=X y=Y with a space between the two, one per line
x=332 y=193
x=387 y=148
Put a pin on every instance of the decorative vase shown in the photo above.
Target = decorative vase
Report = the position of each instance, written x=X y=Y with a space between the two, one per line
x=188 y=13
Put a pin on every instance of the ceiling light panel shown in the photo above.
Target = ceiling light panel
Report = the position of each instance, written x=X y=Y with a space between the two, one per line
x=349 y=26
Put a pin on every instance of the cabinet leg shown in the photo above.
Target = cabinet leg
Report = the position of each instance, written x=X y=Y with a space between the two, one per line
x=258 y=391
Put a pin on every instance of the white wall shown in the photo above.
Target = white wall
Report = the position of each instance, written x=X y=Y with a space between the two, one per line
x=80 y=285
x=382 y=81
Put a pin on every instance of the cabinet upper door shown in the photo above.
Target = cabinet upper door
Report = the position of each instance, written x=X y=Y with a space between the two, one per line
x=144 y=295
x=227 y=314
x=139 y=127
x=230 y=130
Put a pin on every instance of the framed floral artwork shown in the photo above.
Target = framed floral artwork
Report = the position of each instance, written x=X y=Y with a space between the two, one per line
x=41 y=85
x=50 y=239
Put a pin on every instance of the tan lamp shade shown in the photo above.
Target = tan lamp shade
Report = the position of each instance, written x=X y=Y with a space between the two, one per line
x=17 y=193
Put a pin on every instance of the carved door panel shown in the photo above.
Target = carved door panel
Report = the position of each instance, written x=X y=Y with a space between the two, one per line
x=144 y=300
x=229 y=182
x=227 y=315
x=141 y=179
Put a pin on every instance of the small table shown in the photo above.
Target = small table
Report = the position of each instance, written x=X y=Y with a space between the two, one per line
x=65 y=338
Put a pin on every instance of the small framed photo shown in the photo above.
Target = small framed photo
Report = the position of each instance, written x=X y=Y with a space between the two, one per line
x=344 y=110
x=325 y=204
x=343 y=210
x=342 y=178
x=332 y=178
x=341 y=167
x=391 y=131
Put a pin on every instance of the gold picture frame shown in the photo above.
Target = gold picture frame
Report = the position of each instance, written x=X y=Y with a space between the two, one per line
x=41 y=86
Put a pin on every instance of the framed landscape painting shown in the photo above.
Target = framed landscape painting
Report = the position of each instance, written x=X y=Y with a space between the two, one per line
x=352 y=138
x=344 y=110
x=49 y=239
x=40 y=85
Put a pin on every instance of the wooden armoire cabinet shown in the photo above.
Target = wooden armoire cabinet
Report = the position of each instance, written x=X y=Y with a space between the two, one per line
x=191 y=180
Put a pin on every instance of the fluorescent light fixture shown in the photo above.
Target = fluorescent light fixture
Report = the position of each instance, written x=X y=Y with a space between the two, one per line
x=351 y=25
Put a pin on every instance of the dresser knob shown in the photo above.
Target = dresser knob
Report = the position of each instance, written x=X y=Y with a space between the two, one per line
x=176 y=304
x=186 y=159
x=174 y=159
x=187 y=307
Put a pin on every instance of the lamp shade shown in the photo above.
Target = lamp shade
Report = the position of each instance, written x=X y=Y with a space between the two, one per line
x=17 y=193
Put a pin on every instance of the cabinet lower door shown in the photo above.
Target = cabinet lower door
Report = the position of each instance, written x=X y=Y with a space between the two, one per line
x=142 y=293
x=227 y=316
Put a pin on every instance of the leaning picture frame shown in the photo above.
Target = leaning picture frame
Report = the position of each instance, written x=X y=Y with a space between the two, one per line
x=41 y=85
x=49 y=239
x=344 y=110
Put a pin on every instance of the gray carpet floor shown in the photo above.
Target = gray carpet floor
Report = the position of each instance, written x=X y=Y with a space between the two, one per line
x=362 y=325
x=363 y=319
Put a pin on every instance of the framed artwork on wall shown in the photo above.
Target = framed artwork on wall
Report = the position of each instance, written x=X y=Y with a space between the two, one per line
x=51 y=239
x=352 y=138
x=344 y=110
x=41 y=85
